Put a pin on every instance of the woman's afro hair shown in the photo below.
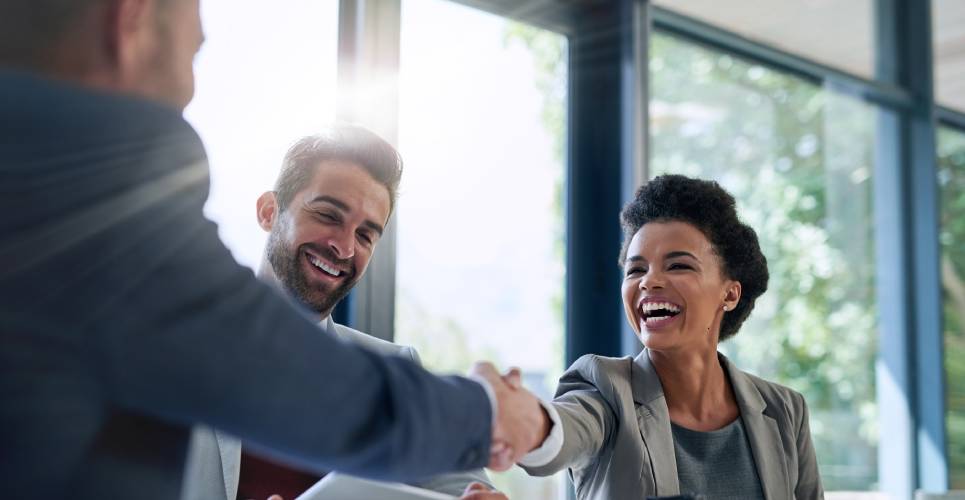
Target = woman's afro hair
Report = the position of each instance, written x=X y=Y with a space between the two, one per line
x=711 y=209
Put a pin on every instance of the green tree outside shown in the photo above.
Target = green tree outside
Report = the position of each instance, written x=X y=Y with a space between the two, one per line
x=951 y=181
x=798 y=159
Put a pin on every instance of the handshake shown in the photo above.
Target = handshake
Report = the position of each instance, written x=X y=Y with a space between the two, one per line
x=520 y=424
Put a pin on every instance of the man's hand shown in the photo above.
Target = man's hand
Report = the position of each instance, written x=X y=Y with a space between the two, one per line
x=479 y=491
x=521 y=425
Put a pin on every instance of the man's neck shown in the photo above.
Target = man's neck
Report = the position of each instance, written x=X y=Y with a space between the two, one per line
x=267 y=275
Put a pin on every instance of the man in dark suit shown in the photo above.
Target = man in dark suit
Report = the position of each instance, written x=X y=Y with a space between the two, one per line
x=117 y=300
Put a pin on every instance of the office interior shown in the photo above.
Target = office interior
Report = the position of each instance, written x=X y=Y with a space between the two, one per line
x=525 y=125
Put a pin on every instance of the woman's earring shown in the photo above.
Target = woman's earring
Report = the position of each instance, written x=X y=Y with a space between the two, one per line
x=725 y=307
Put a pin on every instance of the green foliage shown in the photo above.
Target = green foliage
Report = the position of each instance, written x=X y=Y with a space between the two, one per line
x=951 y=180
x=549 y=55
x=443 y=343
x=798 y=160
x=444 y=346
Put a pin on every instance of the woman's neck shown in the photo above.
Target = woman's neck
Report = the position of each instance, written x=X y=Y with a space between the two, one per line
x=697 y=391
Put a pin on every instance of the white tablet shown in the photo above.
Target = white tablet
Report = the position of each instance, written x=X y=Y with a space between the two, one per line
x=337 y=486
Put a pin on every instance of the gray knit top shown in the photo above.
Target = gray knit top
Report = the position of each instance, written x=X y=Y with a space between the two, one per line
x=718 y=464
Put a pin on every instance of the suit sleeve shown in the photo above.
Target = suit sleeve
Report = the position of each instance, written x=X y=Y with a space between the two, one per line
x=452 y=483
x=808 y=485
x=185 y=333
x=587 y=419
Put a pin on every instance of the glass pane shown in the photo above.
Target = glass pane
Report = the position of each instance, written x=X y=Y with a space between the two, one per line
x=264 y=78
x=948 y=31
x=837 y=33
x=951 y=181
x=799 y=161
x=480 y=227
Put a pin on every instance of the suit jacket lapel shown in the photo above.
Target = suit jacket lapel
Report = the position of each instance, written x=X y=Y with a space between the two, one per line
x=230 y=450
x=762 y=433
x=653 y=418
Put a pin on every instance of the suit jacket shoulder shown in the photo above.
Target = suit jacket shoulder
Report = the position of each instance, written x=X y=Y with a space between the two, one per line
x=605 y=371
x=371 y=343
x=777 y=396
x=610 y=377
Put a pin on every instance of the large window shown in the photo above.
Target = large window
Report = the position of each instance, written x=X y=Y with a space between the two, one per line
x=838 y=33
x=480 y=243
x=264 y=78
x=951 y=181
x=799 y=161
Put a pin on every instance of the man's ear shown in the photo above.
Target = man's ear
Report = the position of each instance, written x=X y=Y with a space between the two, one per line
x=267 y=210
x=132 y=27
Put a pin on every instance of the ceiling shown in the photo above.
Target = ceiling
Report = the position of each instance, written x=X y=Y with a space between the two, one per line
x=837 y=33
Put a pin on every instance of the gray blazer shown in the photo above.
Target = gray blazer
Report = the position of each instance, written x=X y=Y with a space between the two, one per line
x=617 y=441
x=214 y=458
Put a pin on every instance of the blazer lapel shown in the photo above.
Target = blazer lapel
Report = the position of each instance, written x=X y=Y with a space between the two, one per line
x=653 y=418
x=230 y=450
x=762 y=434
x=328 y=324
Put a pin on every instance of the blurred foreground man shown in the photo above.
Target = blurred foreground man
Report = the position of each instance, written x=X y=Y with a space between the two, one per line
x=124 y=320
x=331 y=202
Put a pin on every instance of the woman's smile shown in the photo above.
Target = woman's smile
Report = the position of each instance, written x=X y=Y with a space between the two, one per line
x=657 y=312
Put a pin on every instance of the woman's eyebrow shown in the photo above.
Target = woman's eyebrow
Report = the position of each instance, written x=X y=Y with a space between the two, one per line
x=680 y=253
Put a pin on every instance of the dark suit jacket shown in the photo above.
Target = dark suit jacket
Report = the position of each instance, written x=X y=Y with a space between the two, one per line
x=124 y=320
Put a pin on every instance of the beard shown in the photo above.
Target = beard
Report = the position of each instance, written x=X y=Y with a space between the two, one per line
x=285 y=262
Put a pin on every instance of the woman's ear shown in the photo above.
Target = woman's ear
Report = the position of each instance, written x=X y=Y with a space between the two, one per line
x=732 y=295
x=267 y=208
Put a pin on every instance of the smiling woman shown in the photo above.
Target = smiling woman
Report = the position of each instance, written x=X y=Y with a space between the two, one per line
x=693 y=272
x=673 y=279
x=701 y=217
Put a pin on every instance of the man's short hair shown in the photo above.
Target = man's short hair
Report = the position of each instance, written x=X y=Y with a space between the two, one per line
x=346 y=143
